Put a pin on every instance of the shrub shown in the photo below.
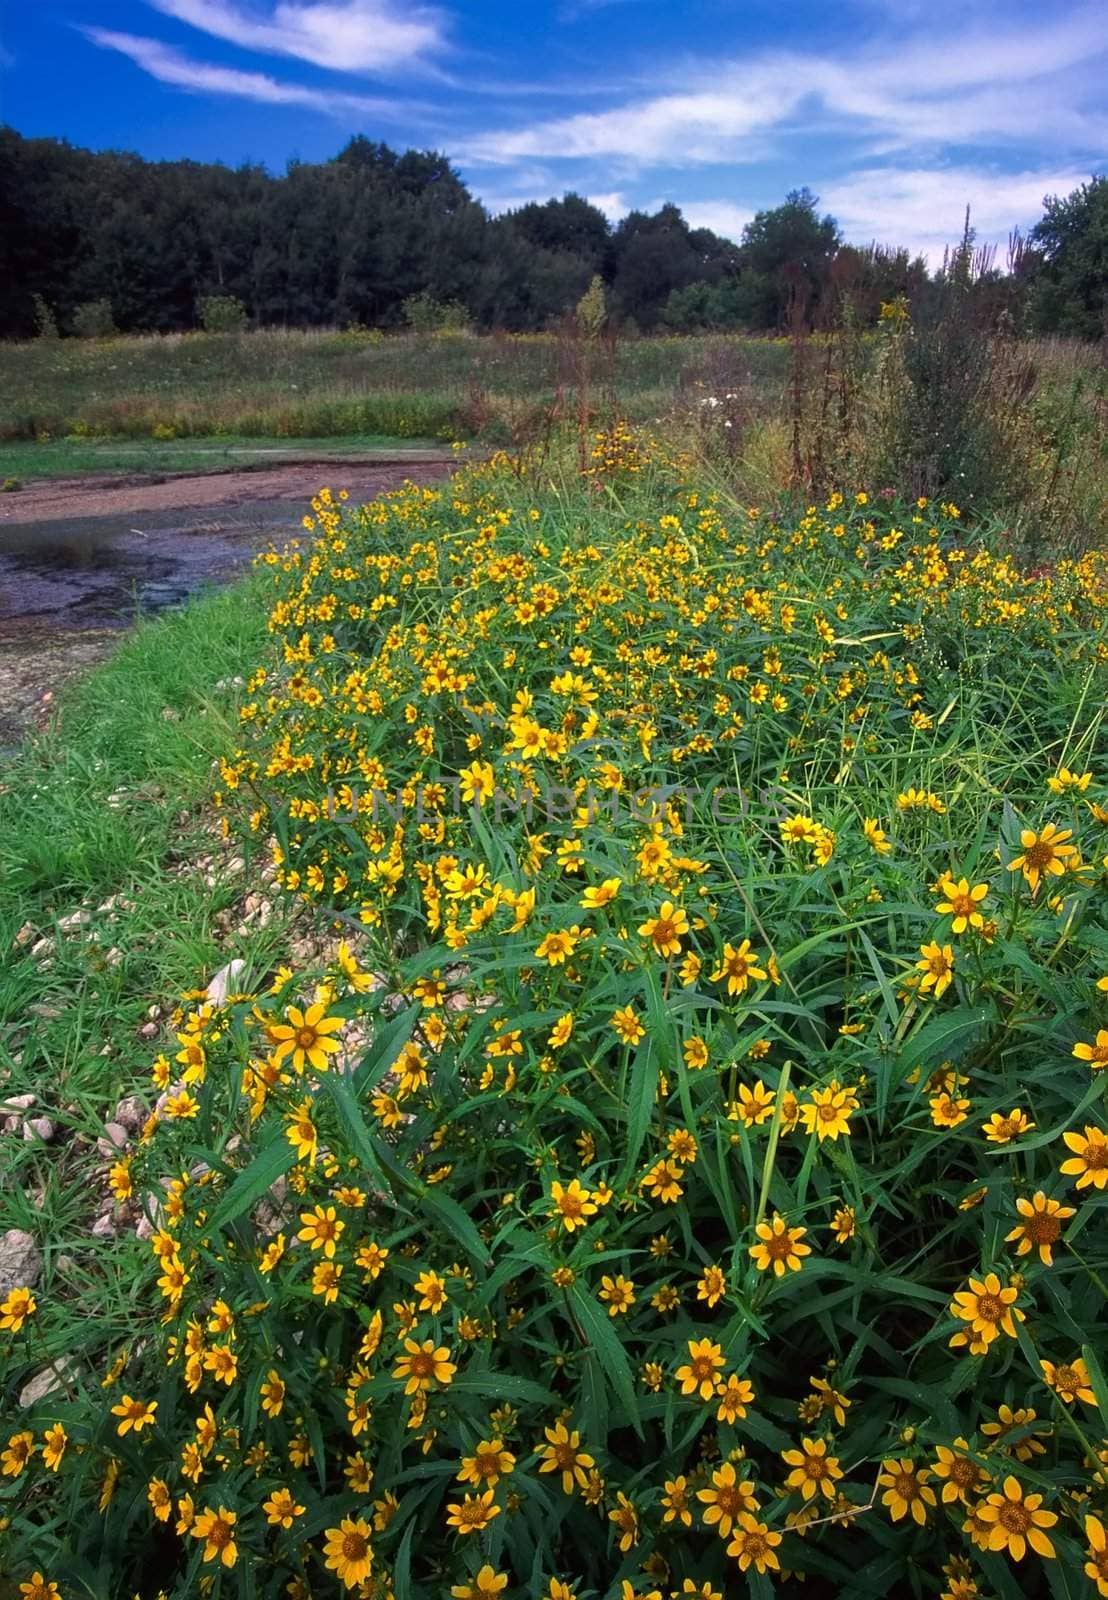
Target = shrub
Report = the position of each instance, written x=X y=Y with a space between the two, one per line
x=424 y=314
x=643 y=1189
x=46 y=323
x=93 y=319
x=221 y=313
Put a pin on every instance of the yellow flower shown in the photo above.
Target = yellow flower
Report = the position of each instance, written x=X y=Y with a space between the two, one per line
x=42 y=1588
x=306 y=1037
x=989 y=1308
x=698 y=1375
x=737 y=966
x=1089 y=1162
x=562 y=1453
x=489 y=1463
x=962 y=1475
x=558 y=945
x=876 y=836
x=962 y=903
x=828 y=1114
x=814 y=1471
x=136 y=1414
x=779 y=1246
x=843 y=1224
x=666 y=930
x=601 y=894
x=347 y=1551
x=948 y=1111
x=626 y=1519
x=754 y=1106
x=281 y=1509
x=217 y=1529
x=20 y=1449
x=423 y=1364
x=486 y=1586
x=1041 y=1227
x=16 y=1306
x=561 y=1032
x=322 y=1228
x=729 y=1498
x=1044 y=853
x=734 y=1396
x=696 y=1053
x=301 y=1132
x=618 y=1293
x=906 y=1491
x=1016 y=1522
x=1069 y=1380
x=1096 y=1567
x=753 y=1544
x=472 y=1514
x=937 y=967
x=1095 y=1054
x=1002 y=1130
x=573 y=1204
x=54 y=1441
x=627 y=1025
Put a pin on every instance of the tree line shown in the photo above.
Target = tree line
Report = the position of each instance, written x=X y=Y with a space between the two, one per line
x=364 y=237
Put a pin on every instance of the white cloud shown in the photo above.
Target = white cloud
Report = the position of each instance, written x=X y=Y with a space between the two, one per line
x=170 y=66
x=614 y=205
x=924 y=209
x=722 y=216
x=1020 y=85
x=344 y=35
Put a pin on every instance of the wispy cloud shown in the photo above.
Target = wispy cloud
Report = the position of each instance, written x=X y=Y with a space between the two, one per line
x=343 y=35
x=1041 y=82
x=924 y=208
x=722 y=216
x=172 y=67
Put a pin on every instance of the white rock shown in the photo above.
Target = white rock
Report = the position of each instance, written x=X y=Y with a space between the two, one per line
x=112 y=1141
x=20 y=1261
x=17 y=1102
x=75 y=920
x=42 y=948
x=130 y=1113
x=225 y=982
x=149 y=1030
x=38 y=1128
x=50 y=1381
x=103 y=1227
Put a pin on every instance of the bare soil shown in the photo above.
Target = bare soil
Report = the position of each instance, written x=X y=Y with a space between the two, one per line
x=59 y=499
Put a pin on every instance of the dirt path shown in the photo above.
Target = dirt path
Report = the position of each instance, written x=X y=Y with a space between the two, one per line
x=60 y=499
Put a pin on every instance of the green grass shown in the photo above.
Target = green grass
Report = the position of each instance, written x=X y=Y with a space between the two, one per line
x=287 y=384
x=112 y=803
x=73 y=457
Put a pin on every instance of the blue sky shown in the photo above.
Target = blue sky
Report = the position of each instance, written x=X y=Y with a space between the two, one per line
x=896 y=112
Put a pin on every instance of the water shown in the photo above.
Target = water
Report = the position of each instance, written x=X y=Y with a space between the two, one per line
x=103 y=571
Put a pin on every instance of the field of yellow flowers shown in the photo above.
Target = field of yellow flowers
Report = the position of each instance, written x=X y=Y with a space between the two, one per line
x=687 y=1177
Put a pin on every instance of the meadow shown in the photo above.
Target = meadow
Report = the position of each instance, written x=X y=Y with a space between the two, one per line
x=656 y=1145
x=303 y=384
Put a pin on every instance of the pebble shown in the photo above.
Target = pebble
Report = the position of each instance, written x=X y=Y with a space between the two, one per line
x=20 y=1261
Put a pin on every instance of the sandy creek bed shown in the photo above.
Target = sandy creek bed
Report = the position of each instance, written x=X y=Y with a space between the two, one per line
x=81 y=558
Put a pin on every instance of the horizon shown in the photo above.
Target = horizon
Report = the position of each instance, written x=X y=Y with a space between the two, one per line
x=896 y=120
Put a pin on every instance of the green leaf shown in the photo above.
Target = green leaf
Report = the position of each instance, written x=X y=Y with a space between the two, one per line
x=641 y=1101
x=252 y=1183
x=596 y=1325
